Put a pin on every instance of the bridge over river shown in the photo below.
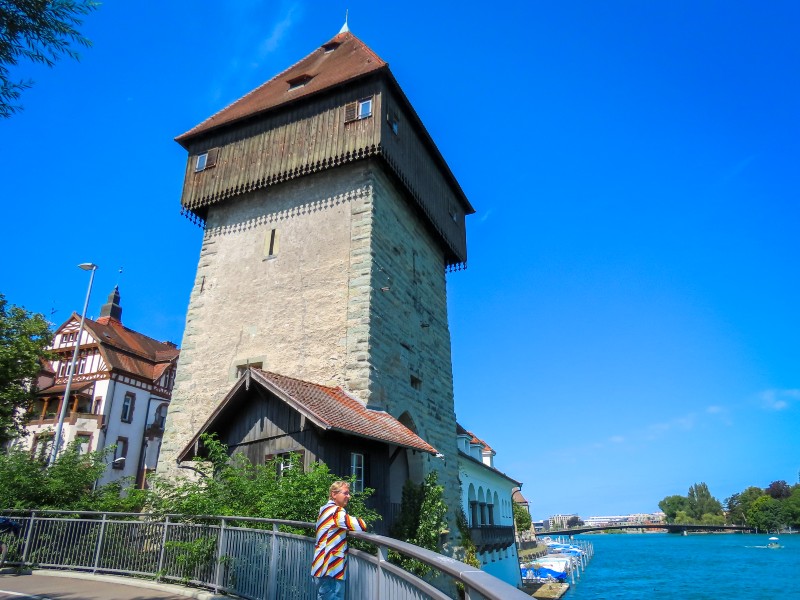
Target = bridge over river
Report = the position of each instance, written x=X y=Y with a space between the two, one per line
x=671 y=527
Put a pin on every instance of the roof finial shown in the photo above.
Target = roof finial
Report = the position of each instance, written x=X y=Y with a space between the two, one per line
x=345 y=28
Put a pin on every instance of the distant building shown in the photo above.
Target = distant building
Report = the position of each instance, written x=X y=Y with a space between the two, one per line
x=120 y=393
x=487 y=499
x=559 y=521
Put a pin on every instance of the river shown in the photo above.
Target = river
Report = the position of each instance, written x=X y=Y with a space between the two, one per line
x=652 y=566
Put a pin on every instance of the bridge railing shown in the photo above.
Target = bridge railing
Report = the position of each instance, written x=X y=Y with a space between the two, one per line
x=257 y=559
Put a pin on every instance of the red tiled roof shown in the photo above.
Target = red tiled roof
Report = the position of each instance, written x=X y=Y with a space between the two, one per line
x=350 y=59
x=127 y=350
x=327 y=407
x=62 y=387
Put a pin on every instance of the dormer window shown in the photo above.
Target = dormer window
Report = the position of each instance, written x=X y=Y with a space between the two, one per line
x=330 y=46
x=206 y=160
x=355 y=111
x=299 y=82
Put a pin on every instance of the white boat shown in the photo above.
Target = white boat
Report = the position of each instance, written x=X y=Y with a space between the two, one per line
x=773 y=543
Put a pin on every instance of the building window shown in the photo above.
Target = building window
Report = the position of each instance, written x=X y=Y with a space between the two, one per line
x=42 y=446
x=299 y=82
x=82 y=442
x=357 y=471
x=160 y=418
x=416 y=382
x=355 y=111
x=120 y=453
x=394 y=122
x=127 y=407
x=206 y=160
x=271 y=244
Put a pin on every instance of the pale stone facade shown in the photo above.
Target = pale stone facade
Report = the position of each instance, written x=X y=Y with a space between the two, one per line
x=354 y=294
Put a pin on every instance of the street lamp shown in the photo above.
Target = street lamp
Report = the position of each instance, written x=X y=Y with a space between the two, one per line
x=57 y=437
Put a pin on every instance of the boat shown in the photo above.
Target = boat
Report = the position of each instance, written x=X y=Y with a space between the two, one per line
x=773 y=543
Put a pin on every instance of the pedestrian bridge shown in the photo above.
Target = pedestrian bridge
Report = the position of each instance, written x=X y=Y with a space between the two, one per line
x=672 y=527
x=257 y=559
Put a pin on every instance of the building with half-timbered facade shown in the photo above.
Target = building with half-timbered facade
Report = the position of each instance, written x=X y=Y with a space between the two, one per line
x=120 y=393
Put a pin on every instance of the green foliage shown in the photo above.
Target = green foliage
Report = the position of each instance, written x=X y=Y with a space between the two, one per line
x=421 y=521
x=38 y=31
x=738 y=504
x=767 y=514
x=233 y=486
x=672 y=505
x=470 y=556
x=24 y=338
x=701 y=502
x=69 y=484
x=696 y=506
x=522 y=518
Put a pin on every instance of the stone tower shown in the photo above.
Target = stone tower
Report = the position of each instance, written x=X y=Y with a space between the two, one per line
x=330 y=221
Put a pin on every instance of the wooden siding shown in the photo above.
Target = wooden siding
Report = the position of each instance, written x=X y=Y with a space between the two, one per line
x=426 y=179
x=299 y=140
x=266 y=426
x=311 y=136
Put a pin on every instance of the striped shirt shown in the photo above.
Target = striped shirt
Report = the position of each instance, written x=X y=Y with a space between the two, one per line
x=330 y=551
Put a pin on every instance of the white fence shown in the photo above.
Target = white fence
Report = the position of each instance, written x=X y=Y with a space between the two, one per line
x=257 y=559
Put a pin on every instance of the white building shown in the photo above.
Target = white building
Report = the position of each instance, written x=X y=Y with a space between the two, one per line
x=488 y=504
x=119 y=396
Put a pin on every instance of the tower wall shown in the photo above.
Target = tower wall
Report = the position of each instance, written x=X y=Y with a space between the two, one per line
x=355 y=295
x=289 y=312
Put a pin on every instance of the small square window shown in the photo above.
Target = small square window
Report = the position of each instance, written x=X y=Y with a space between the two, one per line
x=416 y=382
x=206 y=160
x=365 y=108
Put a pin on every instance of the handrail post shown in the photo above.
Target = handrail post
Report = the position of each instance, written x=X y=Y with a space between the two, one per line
x=28 y=537
x=272 y=582
x=99 y=543
x=383 y=556
x=163 y=549
x=220 y=546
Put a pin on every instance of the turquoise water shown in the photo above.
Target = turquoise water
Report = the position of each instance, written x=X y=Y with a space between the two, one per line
x=694 y=567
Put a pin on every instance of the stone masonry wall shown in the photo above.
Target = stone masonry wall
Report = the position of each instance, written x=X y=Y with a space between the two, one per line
x=409 y=335
x=293 y=312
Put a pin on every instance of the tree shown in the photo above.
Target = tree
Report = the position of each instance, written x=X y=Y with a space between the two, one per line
x=574 y=521
x=24 y=338
x=522 y=518
x=738 y=504
x=69 y=484
x=778 y=490
x=38 y=30
x=791 y=506
x=672 y=505
x=701 y=502
x=766 y=514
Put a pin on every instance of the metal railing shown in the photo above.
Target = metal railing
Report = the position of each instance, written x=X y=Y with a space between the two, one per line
x=256 y=559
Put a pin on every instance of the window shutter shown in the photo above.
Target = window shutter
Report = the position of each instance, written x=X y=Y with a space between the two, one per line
x=213 y=154
x=350 y=112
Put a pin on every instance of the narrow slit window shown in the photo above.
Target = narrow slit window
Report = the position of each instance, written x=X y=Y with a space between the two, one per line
x=271 y=244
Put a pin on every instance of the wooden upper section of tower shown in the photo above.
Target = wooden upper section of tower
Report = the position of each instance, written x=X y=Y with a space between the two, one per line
x=339 y=104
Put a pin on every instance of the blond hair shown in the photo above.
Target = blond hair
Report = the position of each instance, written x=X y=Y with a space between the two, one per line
x=337 y=486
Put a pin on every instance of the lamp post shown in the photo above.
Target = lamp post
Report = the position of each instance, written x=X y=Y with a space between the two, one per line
x=63 y=412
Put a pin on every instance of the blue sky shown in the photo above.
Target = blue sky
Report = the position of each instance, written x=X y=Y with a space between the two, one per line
x=628 y=324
